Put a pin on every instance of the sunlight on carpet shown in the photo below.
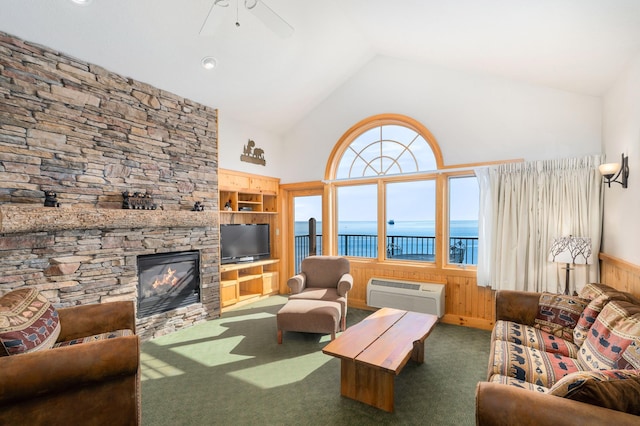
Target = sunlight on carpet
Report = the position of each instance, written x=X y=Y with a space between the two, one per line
x=213 y=353
x=267 y=376
x=153 y=368
x=231 y=370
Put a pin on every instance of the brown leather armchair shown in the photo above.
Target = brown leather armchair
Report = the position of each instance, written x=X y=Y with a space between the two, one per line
x=325 y=278
x=96 y=383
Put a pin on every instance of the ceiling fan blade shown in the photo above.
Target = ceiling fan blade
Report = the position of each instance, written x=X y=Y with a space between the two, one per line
x=209 y=24
x=271 y=19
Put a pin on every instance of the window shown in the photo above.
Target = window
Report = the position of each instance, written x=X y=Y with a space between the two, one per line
x=386 y=150
x=357 y=221
x=386 y=173
x=464 y=199
x=411 y=214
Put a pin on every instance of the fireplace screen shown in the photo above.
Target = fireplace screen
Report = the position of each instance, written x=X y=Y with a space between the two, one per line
x=167 y=281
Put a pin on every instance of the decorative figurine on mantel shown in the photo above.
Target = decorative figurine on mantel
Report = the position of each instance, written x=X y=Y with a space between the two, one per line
x=254 y=155
x=227 y=206
x=50 y=199
x=198 y=207
x=137 y=200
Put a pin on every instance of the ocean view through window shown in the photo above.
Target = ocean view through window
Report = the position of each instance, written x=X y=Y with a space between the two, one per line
x=388 y=196
x=465 y=231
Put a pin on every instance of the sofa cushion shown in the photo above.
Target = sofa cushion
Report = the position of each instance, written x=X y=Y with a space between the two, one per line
x=614 y=389
x=533 y=337
x=531 y=365
x=558 y=314
x=28 y=322
x=511 y=381
x=599 y=295
x=95 y=338
x=617 y=326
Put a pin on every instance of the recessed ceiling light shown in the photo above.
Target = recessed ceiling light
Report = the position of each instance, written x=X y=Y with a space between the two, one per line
x=209 y=62
x=82 y=2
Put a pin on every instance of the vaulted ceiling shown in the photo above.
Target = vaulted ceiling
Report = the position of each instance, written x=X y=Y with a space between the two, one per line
x=270 y=81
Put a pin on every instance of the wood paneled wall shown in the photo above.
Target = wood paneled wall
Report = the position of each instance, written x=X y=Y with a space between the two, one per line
x=465 y=302
x=620 y=274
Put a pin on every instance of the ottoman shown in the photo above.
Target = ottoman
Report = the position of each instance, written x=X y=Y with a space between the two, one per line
x=309 y=316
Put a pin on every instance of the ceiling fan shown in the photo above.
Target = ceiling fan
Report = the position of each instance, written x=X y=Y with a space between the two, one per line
x=264 y=13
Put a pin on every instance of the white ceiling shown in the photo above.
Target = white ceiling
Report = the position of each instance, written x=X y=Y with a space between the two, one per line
x=272 y=82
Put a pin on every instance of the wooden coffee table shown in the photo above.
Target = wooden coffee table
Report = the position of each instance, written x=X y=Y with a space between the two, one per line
x=375 y=350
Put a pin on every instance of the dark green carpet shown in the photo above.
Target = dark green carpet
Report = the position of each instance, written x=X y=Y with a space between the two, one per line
x=231 y=371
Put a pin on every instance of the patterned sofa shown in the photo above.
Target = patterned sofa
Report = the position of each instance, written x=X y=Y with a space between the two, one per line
x=67 y=366
x=560 y=360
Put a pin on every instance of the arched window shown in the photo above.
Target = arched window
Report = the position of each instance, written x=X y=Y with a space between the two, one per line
x=385 y=173
x=386 y=150
x=383 y=145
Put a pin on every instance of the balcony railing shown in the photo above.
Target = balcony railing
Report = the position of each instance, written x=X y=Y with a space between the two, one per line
x=463 y=250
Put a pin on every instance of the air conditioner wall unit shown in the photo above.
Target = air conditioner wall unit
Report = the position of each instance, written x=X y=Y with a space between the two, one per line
x=413 y=296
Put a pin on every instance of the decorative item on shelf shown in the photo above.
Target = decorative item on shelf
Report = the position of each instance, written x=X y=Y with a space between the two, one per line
x=620 y=170
x=227 y=206
x=198 y=207
x=570 y=250
x=50 y=199
x=251 y=154
x=138 y=201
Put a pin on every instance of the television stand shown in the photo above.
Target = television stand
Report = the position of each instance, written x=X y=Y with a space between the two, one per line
x=244 y=281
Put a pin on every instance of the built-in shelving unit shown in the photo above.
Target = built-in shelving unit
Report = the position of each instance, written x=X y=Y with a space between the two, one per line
x=247 y=198
x=242 y=281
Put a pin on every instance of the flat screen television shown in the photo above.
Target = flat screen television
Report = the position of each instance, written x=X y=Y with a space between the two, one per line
x=244 y=243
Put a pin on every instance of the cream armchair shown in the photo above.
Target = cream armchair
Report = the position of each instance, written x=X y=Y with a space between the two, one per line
x=324 y=278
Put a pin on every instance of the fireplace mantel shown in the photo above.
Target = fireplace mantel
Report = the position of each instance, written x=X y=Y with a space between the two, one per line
x=23 y=219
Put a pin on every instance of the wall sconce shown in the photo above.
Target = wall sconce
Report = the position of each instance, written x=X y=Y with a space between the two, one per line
x=571 y=251
x=620 y=170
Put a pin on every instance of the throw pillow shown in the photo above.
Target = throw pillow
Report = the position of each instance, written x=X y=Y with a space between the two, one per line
x=558 y=314
x=630 y=358
x=613 y=389
x=617 y=326
x=28 y=322
x=599 y=295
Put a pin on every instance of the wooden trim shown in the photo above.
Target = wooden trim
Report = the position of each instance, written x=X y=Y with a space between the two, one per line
x=375 y=121
x=620 y=274
x=620 y=263
x=482 y=164
x=245 y=174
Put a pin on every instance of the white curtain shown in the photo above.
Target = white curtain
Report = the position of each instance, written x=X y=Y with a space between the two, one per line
x=523 y=208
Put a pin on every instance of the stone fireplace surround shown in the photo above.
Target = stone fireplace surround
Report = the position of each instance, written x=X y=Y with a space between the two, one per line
x=89 y=134
x=90 y=256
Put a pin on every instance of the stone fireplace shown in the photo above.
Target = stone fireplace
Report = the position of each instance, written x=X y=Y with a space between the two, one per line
x=87 y=134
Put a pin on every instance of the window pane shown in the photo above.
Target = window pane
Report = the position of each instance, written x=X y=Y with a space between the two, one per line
x=386 y=150
x=305 y=208
x=357 y=221
x=464 y=199
x=411 y=214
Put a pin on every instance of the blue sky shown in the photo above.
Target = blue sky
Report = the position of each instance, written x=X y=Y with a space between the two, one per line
x=411 y=201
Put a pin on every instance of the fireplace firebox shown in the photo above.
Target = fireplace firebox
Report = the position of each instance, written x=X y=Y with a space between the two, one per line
x=167 y=281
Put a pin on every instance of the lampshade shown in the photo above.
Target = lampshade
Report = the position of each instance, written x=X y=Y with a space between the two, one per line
x=575 y=250
x=609 y=169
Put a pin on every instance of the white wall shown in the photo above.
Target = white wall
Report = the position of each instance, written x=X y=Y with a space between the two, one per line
x=621 y=133
x=474 y=117
x=233 y=135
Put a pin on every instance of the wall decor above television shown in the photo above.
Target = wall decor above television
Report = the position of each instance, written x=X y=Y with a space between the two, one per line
x=244 y=242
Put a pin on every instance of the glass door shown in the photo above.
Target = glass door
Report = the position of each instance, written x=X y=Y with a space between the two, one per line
x=307 y=218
